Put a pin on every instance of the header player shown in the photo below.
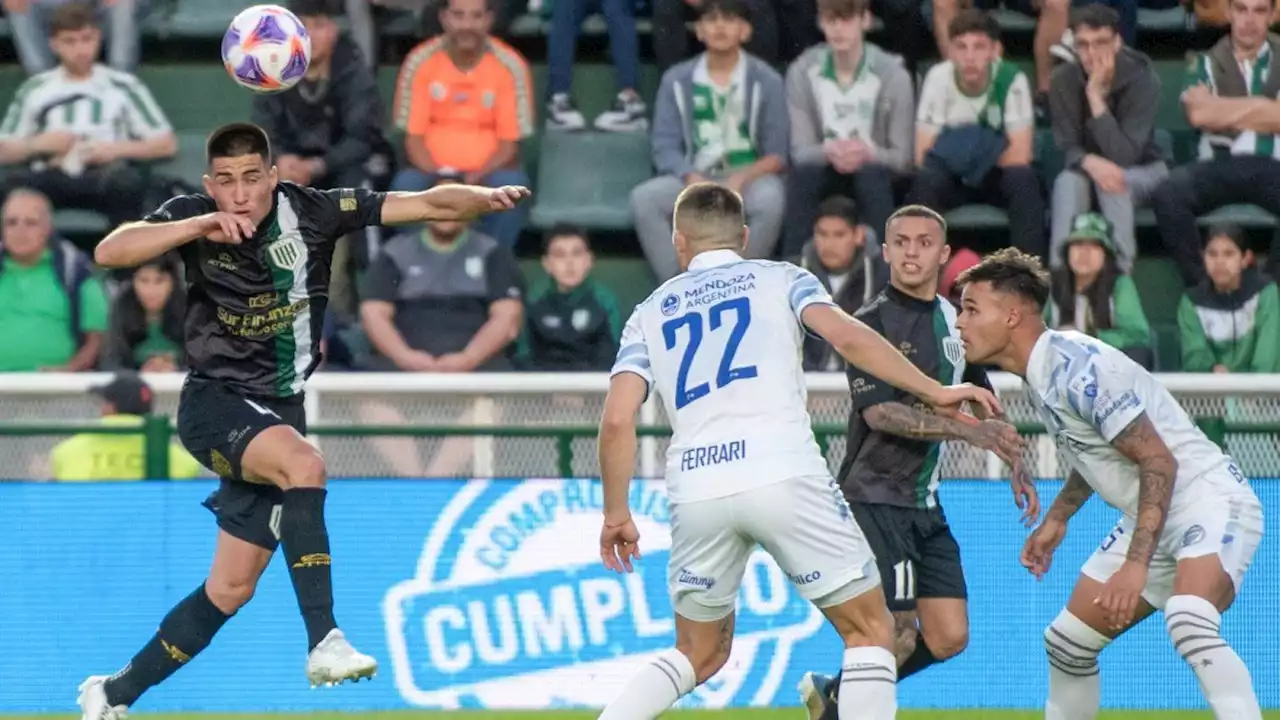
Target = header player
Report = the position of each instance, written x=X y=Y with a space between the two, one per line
x=1191 y=522
x=257 y=255
x=895 y=453
x=722 y=344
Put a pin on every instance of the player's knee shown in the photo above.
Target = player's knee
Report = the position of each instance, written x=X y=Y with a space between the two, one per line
x=230 y=594
x=946 y=642
x=305 y=469
x=1072 y=646
x=1194 y=625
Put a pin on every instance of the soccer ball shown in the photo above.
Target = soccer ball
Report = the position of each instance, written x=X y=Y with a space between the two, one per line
x=266 y=49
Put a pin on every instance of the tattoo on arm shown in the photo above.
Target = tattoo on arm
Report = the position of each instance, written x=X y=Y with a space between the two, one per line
x=1071 y=498
x=1156 y=472
x=903 y=420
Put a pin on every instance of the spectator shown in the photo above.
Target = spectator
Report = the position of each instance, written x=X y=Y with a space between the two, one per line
x=443 y=299
x=327 y=131
x=1231 y=99
x=974 y=133
x=1230 y=322
x=572 y=322
x=839 y=256
x=95 y=457
x=629 y=112
x=1093 y=295
x=851 y=107
x=146 y=321
x=1104 y=119
x=466 y=101
x=781 y=29
x=719 y=116
x=82 y=127
x=30 y=21
x=1053 y=16
x=962 y=259
x=53 y=311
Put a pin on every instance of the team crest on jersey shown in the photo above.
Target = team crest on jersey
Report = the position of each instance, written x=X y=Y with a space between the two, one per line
x=473 y=267
x=953 y=349
x=671 y=305
x=285 y=253
x=580 y=319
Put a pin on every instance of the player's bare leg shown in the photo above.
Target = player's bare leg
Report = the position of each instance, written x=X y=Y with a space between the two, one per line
x=282 y=457
x=869 y=673
x=1202 y=591
x=702 y=648
x=185 y=631
x=1073 y=641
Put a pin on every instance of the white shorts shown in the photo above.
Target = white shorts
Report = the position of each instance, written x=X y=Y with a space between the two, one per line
x=803 y=523
x=1230 y=527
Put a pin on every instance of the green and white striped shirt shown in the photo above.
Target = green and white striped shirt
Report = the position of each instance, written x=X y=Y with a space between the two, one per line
x=1255 y=72
x=108 y=106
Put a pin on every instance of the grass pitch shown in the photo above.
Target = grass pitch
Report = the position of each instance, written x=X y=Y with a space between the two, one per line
x=752 y=714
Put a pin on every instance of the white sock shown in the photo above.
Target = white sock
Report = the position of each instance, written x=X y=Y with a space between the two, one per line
x=1194 y=625
x=652 y=691
x=1073 y=647
x=869 y=686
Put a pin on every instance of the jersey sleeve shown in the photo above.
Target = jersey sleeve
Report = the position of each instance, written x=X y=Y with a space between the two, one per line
x=633 y=352
x=1102 y=393
x=977 y=375
x=1019 y=112
x=178 y=208
x=345 y=210
x=931 y=112
x=865 y=389
x=803 y=290
x=506 y=282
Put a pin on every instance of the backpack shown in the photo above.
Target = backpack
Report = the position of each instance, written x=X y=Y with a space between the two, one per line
x=72 y=268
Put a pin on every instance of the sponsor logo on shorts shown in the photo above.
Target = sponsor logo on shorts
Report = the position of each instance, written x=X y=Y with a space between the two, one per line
x=313 y=560
x=1193 y=535
x=688 y=579
x=509 y=600
x=806 y=578
x=698 y=457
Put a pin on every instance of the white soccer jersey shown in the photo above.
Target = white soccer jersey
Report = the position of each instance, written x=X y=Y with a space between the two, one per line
x=108 y=106
x=722 y=343
x=1087 y=393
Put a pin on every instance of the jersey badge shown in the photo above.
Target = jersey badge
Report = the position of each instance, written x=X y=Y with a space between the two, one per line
x=285 y=253
x=473 y=267
x=953 y=349
x=580 y=319
x=347 y=200
x=1193 y=535
x=671 y=305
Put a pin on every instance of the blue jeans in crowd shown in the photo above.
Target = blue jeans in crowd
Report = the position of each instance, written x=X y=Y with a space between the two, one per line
x=504 y=227
x=562 y=41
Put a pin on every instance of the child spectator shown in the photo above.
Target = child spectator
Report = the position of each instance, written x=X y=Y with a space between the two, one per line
x=571 y=322
x=1231 y=321
x=846 y=265
x=146 y=321
x=1092 y=295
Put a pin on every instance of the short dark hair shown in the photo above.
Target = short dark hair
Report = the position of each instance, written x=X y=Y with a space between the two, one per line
x=562 y=230
x=1096 y=16
x=71 y=17
x=1230 y=231
x=236 y=140
x=732 y=8
x=839 y=206
x=973 y=20
x=917 y=211
x=1011 y=271
x=315 y=8
x=710 y=212
x=844 y=9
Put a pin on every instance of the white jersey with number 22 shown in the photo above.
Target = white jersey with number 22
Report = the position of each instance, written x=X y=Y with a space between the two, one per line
x=722 y=345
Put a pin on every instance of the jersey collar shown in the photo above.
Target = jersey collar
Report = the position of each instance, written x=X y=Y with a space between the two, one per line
x=909 y=300
x=1037 y=360
x=713 y=258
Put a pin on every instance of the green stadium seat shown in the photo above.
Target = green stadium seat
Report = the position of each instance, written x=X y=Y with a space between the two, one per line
x=189 y=163
x=80 y=222
x=977 y=217
x=1160 y=288
x=1014 y=21
x=586 y=178
x=1174 y=19
x=1248 y=216
x=200 y=18
x=1168 y=347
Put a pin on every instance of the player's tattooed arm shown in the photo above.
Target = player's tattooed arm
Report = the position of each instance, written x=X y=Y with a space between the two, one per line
x=1157 y=469
x=1074 y=494
x=899 y=419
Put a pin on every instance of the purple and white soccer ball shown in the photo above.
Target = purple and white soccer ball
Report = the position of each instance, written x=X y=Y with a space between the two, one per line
x=266 y=49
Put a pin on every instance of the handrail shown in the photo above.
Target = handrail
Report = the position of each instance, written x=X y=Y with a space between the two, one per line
x=157 y=432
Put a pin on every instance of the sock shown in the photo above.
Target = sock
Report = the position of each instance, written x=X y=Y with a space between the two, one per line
x=306 y=548
x=184 y=632
x=1194 y=625
x=919 y=659
x=659 y=684
x=1073 y=647
x=869 y=684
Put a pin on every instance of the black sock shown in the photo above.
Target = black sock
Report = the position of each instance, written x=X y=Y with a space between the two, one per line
x=184 y=632
x=306 y=548
x=831 y=698
x=918 y=660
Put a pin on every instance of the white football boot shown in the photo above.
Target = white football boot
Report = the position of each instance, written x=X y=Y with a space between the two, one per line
x=333 y=662
x=93 y=701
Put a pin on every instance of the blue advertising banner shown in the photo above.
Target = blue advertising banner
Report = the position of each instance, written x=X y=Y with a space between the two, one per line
x=490 y=593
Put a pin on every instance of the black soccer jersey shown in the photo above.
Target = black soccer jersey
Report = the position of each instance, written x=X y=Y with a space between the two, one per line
x=888 y=469
x=255 y=311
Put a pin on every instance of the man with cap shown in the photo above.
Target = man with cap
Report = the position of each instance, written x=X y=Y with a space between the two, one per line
x=92 y=456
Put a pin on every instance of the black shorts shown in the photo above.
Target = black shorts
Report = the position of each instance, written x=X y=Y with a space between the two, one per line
x=216 y=424
x=915 y=552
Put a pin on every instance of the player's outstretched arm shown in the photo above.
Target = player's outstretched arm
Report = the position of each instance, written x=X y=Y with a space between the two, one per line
x=617 y=453
x=1073 y=495
x=1157 y=469
x=866 y=349
x=134 y=243
x=449 y=202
